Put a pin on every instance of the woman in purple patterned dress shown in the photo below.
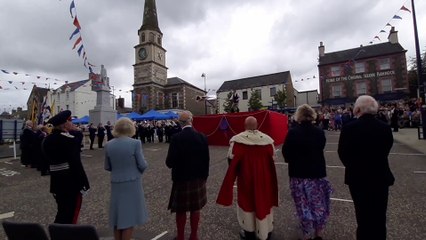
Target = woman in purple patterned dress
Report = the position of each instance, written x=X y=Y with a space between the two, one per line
x=303 y=150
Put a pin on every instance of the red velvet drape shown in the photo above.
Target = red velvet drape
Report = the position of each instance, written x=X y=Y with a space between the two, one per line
x=219 y=128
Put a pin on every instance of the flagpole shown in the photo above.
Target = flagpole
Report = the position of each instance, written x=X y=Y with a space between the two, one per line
x=420 y=77
x=420 y=80
x=205 y=90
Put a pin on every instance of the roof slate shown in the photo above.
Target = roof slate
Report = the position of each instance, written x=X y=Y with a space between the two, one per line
x=363 y=52
x=177 y=81
x=256 y=81
x=73 y=85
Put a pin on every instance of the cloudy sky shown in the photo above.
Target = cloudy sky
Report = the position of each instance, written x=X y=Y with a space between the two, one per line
x=225 y=39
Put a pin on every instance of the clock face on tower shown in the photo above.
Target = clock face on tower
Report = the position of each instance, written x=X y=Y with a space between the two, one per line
x=142 y=53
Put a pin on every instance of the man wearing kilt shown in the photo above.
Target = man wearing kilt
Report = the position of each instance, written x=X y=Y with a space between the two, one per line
x=188 y=157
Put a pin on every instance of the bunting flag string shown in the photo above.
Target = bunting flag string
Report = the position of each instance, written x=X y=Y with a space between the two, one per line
x=22 y=85
x=8 y=72
x=396 y=17
x=305 y=79
x=81 y=51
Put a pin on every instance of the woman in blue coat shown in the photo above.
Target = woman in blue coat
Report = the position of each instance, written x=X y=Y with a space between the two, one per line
x=124 y=159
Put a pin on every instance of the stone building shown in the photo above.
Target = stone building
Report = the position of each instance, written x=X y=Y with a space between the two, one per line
x=266 y=85
x=379 y=70
x=152 y=89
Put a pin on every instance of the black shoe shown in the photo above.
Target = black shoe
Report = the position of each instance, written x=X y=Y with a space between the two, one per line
x=242 y=234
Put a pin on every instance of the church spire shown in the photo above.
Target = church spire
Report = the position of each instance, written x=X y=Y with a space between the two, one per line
x=150 y=20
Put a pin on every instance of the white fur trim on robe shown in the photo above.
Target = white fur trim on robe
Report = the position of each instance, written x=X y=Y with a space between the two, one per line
x=250 y=137
x=250 y=223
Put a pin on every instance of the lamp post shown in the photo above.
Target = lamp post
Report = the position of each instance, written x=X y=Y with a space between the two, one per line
x=203 y=75
x=113 y=95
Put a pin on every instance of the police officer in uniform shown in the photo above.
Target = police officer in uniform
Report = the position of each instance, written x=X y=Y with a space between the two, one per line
x=68 y=180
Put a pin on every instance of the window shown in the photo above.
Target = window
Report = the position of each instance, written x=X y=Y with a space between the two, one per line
x=68 y=107
x=384 y=63
x=336 y=90
x=245 y=95
x=259 y=92
x=143 y=37
x=144 y=100
x=159 y=40
x=359 y=67
x=59 y=97
x=386 y=85
x=361 y=88
x=335 y=71
x=151 y=37
x=160 y=99
x=272 y=91
x=67 y=96
x=175 y=100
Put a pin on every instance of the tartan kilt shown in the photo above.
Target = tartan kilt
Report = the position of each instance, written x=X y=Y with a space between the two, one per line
x=188 y=196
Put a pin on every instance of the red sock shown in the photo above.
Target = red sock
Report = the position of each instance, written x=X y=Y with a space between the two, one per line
x=195 y=219
x=180 y=223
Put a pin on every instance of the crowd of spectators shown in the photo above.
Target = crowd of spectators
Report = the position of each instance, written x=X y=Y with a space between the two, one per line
x=399 y=114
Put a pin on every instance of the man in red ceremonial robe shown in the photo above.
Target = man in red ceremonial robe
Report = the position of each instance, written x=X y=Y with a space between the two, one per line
x=252 y=156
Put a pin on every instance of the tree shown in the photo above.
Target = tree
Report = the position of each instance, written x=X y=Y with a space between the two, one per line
x=227 y=105
x=231 y=103
x=281 y=98
x=254 y=102
x=412 y=75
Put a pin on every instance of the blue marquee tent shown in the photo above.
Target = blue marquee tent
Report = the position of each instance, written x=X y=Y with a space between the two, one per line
x=134 y=116
x=154 y=115
x=83 y=120
x=172 y=114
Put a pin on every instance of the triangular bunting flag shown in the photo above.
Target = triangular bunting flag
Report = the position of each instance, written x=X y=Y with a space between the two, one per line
x=404 y=8
x=77 y=42
x=76 y=23
x=79 y=49
x=5 y=71
x=382 y=31
x=71 y=7
x=76 y=31
x=377 y=37
x=396 y=17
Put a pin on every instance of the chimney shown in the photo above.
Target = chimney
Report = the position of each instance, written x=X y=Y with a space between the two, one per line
x=321 y=49
x=393 y=36
x=120 y=102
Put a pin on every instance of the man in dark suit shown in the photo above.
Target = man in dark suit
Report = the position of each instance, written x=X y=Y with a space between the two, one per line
x=188 y=157
x=27 y=142
x=68 y=180
x=364 y=146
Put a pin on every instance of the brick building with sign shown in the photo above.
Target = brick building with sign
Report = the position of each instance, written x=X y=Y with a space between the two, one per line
x=379 y=70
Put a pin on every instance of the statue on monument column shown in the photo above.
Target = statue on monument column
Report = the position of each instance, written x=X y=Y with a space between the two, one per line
x=104 y=77
x=100 y=81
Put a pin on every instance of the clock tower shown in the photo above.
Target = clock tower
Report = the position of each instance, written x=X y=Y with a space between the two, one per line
x=150 y=71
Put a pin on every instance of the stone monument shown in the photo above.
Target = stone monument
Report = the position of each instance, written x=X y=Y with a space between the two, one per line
x=103 y=112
